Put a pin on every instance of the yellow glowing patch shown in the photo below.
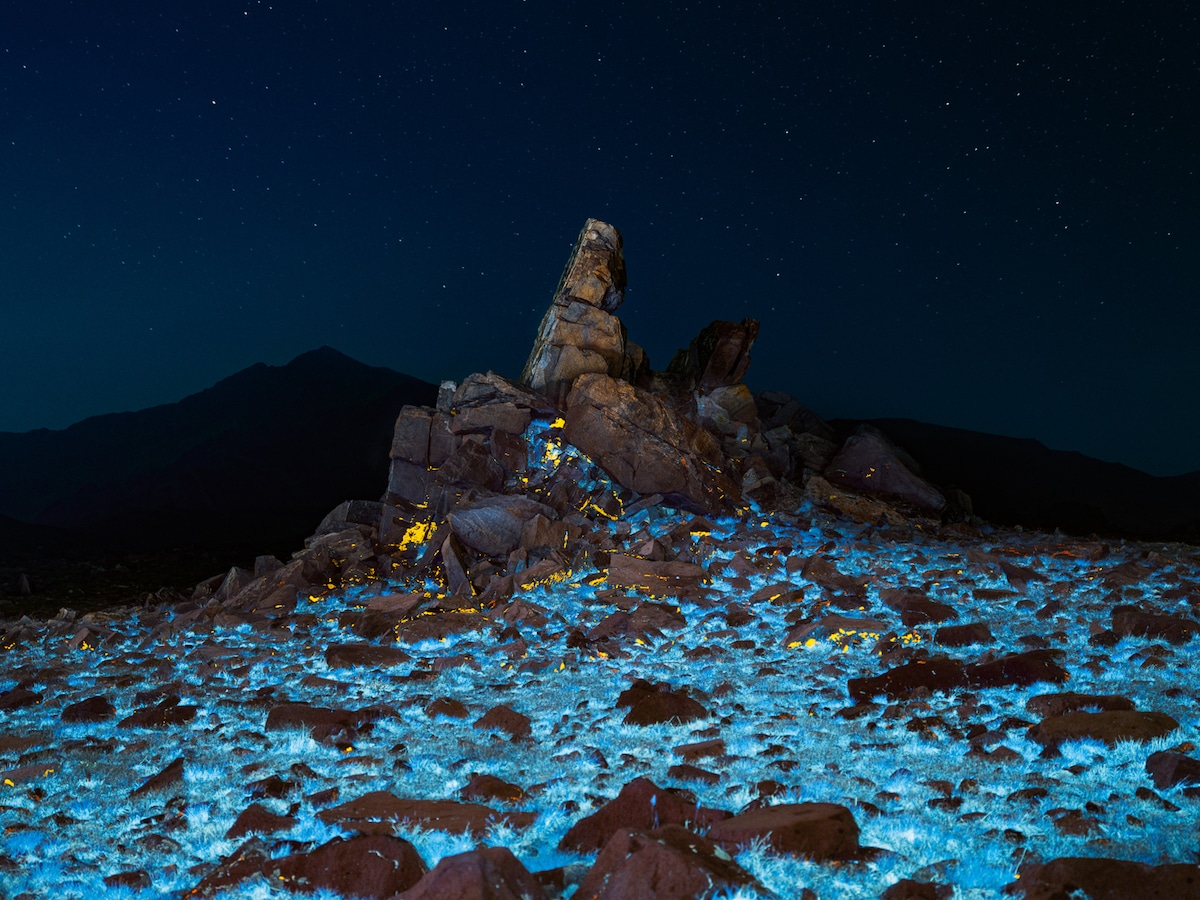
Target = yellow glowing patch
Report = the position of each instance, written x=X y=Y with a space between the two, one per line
x=416 y=534
x=560 y=422
x=602 y=512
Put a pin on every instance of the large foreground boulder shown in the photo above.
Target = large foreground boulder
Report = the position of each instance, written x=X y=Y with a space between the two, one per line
x=645 y=446
x=869 y=462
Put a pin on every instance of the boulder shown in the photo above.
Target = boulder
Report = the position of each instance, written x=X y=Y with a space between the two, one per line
x=1132 y=621
x=257 y=819
x=381 y=811
x=818 y=831
x=1109 y=726
x=487 y=403
x=369 y=866
x=651 y=704
x=1019 y=669
x=717 y=357
x=160 y=781
x=579 y=333
x=870 y=463
x=489 y=873
x=493 y=525
x=646 y=447
x=1169 y=768
x=902 y=682
x=668 y=863
x=641 y=805
x=1105 y=879
x=1069 y=701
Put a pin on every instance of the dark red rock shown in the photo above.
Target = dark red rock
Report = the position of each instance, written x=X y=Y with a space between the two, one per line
x=136 y=879
x=701 y=749
x=718 y=356
x=382 y=615
x=167 y=713
x=688 y=772
x=1105 y=879
x=341 y=656
x=1110 y=726
x=915 y=608
x=1017 y=669
x=257 y=818
x=245 y=862
x=375 y=867
x=962 y=635
x=493 y=525
x=870 y=463
x=447 y=706
x=658 y=704
x=579 y=333
x=823 y=572
x=643 y=806
x=1069 y=701
x=1019 y=576
x=18 y=698
x=908 y=889
x=899 y=683
x=272 y=786
x=668 y=863
x=28 y=773
x=489 y=873
x=819 y=831
x=456 y=565
x=322 y=723
x=1135 y=622
x=93 y=709
x=379 y=810
x=671 y=578
x=168 y=777
x=485 y=788
x=1169 y=768
x=503 y=718
x=646 y=447
x=472 y=464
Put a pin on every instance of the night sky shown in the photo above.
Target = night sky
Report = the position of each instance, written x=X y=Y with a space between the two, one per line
x=984 y=216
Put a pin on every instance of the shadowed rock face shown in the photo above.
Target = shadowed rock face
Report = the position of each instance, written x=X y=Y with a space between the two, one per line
x=870 y=462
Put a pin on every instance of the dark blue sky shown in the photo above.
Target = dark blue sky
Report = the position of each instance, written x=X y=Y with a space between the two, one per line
x=985 y=218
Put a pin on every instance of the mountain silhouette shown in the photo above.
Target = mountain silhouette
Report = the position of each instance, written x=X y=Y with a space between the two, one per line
x=258 y=458
x=1020 y=481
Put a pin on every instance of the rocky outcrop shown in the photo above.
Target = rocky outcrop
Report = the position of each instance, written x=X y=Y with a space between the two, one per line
x=503 y=476
x=579 y=333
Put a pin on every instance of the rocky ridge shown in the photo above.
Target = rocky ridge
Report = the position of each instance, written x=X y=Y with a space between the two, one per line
x=658 y=501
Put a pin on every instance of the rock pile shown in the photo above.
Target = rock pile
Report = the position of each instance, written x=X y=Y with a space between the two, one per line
x=465 y=501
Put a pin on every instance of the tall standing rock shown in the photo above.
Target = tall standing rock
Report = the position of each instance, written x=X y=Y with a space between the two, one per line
x=579 y=333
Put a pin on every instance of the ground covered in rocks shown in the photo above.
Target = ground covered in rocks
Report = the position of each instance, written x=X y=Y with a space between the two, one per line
x=741 y=706
x=619 y=634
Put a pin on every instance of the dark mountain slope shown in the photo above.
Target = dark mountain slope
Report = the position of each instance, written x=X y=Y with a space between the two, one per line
x=258 y=457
